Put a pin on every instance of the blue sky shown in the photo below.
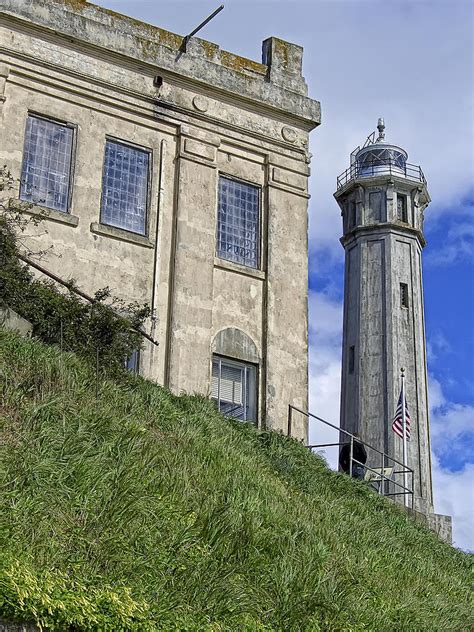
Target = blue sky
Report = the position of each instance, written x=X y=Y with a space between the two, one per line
x=412 y=63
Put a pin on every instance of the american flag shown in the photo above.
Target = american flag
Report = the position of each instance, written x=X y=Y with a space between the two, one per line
x=397 y=423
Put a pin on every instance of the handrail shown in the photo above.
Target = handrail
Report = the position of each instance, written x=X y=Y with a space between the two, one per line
x=307 y=414
x=385 y=457
x=381 y=166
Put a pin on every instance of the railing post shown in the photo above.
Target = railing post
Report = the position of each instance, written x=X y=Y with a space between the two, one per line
x=382 y=476
x=351 y=456
x=290 y=419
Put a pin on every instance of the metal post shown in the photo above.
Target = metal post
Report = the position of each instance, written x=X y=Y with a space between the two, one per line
x=97 y=374
x=382 y=476
x=351 y=456
x=290 y=419
x=405 y=446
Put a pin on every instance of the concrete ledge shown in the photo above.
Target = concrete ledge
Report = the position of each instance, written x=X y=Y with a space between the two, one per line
x=223 y=264
x=42 y=212
x=11 y=320
x=120 y=234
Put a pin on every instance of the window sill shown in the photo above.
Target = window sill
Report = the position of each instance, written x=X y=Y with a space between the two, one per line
x=120 y=234
x=223 y=264
x=42 y=212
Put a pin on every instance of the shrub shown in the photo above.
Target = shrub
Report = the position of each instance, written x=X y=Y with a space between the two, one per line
x=104 y=330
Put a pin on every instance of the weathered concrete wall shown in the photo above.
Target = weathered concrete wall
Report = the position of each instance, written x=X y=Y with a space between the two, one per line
x=210 y=113
x=382 y=335
x=440 y=524
x=11 y=320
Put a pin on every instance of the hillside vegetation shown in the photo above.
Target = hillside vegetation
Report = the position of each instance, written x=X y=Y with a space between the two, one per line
x=140 y=510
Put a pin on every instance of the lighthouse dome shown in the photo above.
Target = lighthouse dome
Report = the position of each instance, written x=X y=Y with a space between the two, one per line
x=381 y=157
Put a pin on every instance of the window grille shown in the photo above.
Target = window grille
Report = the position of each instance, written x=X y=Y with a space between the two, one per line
x=238 y=222
x=125 y=187
x=404 y=295
x=47 y=160
x=233 y=387
x=402 y=212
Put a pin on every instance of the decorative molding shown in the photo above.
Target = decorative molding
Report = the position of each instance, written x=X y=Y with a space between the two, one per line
x=289 y=134
x=201 y=103
x=289 y=179
x=4 y=72
x=195 y=148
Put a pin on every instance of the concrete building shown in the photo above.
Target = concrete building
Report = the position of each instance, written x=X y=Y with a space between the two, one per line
x=176 y=177
x=382 y=198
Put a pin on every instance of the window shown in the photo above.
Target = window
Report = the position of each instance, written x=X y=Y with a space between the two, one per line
x=125 y=187
x=238 y=222
x=404 y=295
x=132 y=363
x=376 y=206
x=47 y=161
x=402 y=213
x=352 y=214
x=234 y=388
x=351 y=359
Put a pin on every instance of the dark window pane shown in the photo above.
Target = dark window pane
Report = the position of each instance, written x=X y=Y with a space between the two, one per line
x=403 y=294
x=132 y=363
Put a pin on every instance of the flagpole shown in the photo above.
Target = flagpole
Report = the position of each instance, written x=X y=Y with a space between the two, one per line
x=405 y=446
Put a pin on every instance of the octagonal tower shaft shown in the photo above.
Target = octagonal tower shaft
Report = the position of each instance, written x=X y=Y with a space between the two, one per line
x=382 y=200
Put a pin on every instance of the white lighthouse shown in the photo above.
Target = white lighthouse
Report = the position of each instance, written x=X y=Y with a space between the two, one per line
x=382 y=199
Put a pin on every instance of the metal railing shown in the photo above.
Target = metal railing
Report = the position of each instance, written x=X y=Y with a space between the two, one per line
x=386 y=484
x=381 y=167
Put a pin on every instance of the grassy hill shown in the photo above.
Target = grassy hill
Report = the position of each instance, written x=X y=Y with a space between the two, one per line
x=140 y=510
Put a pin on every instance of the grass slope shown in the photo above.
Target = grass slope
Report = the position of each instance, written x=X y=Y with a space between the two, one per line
x=140 y=510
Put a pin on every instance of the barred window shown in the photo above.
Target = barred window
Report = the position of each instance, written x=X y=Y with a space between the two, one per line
x=402 y=211
x=125 y=187
x=351 y=359
x=234 y=388
x=238 y=222
x=403 y=295
x=47 y=160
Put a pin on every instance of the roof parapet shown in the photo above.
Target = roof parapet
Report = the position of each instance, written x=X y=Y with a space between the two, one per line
x=276 y=83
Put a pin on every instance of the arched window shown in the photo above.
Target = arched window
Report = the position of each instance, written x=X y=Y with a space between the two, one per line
x=234 y=374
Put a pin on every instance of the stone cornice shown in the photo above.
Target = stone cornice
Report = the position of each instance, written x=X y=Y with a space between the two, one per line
x=154 y=50
x=383 y=229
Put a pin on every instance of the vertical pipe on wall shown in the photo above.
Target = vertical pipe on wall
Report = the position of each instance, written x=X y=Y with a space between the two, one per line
x=154 y=292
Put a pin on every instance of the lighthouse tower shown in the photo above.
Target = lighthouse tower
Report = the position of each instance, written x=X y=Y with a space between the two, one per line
x=382 y=199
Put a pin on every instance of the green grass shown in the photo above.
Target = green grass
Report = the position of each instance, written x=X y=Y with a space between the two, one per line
x=140 y=510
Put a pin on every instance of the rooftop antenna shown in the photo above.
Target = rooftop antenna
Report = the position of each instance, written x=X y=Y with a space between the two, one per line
x=198 y=28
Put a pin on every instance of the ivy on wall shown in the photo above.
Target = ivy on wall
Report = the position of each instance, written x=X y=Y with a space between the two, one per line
x=103 y=330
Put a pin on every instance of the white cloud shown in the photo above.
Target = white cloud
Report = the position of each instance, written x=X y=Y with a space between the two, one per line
x=452 y=432
x=458 y=245
x=454 y=496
